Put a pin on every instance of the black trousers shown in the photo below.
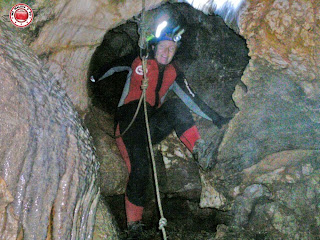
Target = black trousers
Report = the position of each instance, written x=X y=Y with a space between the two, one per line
x=172 y=115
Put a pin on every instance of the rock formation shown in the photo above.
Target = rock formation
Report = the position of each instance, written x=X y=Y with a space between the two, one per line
x=48 y=170
x=267 y=171
x=265 y=163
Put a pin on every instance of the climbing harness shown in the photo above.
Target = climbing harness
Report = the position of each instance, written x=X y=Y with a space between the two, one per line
x=107 y=74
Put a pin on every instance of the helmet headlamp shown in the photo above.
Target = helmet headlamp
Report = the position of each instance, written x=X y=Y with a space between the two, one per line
x=160 y=27
x=165 y=32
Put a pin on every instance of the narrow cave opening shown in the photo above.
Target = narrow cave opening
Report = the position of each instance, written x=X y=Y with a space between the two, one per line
x=212 y=57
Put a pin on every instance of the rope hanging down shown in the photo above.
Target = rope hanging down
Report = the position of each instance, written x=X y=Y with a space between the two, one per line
x=143 y=46
x=163 y=220
x=144 y=86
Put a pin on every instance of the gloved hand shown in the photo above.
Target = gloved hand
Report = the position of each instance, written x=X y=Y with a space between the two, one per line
x=222 y=121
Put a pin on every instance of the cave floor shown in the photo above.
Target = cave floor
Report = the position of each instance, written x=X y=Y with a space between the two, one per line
x=175 y=231
x=185 y=220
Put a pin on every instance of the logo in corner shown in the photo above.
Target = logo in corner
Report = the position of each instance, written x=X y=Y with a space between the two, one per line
x=21 y=15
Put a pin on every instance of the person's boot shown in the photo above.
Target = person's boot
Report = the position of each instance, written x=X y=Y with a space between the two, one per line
x=135 y=230
x=202 y=154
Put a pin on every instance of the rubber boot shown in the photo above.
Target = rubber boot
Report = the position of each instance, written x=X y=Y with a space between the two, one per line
x=135 y=230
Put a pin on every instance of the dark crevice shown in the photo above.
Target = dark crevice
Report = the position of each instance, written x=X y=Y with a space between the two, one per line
x=212 y=56
x=185 y=219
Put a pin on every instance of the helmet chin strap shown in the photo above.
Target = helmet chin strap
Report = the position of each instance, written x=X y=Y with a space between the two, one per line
x=161 y=66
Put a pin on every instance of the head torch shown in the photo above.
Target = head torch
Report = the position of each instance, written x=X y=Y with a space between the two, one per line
x=165 y=32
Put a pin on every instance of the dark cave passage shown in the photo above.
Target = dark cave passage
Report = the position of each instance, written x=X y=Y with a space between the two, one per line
x=212 y=57
x=119 y=48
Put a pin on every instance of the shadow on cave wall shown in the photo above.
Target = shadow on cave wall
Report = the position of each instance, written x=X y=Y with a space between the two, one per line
x=120 y=42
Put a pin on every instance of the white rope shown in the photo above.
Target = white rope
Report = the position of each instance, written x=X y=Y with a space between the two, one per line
x=163 y=220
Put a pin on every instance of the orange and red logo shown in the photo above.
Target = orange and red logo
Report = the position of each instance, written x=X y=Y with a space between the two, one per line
x=21 y=15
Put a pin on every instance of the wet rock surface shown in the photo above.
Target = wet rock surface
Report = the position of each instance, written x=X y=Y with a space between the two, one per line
x=265 y=162
x=48 y=170
x=106 y=227
x=285 y=34
x=113 y=172
x=213 y=58
x=178 y=171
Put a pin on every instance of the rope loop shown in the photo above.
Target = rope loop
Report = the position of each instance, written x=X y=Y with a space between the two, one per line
x=145 y=80
x=162 y=223
x=144 y=84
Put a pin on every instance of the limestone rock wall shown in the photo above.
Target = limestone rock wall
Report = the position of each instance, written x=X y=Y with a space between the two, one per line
x=48 y=170
x=285 y=34
x=113 y=171
x=267 y=171
x=105 y=225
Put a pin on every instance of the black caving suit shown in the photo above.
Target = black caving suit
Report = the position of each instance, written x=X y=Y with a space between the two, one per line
x=164 y=116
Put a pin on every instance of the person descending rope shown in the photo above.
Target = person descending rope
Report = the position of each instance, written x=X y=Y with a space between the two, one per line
x=164 y=116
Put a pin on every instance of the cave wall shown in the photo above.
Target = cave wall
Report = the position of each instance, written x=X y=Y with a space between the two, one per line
x=268 y=162
x=278 y=110
x=48 y=169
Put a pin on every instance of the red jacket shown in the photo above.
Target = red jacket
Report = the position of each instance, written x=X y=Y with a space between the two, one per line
x=169 y=76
